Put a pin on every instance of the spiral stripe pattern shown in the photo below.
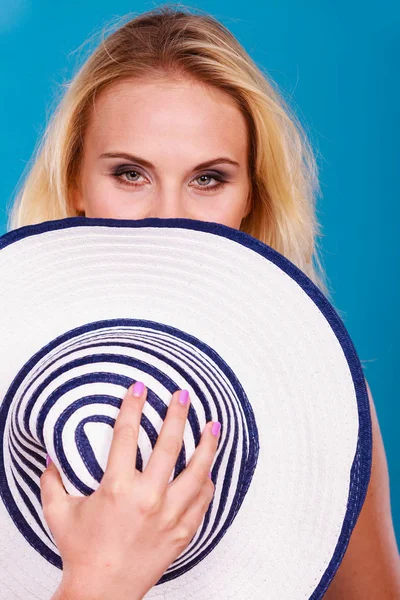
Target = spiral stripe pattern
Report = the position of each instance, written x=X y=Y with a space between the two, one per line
x=66 y=398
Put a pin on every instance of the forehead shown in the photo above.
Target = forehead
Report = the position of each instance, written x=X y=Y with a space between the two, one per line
x=182 y=112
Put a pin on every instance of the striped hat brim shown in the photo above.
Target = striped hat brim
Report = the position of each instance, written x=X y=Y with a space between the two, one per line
x=89 y=305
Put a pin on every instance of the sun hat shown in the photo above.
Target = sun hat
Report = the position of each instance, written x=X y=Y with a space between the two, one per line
x=90 y=305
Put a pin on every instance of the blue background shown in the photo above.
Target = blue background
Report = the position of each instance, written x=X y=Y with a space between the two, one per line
x=336 y=62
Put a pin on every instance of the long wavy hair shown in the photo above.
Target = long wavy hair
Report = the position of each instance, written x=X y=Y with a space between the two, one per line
x=171 y=41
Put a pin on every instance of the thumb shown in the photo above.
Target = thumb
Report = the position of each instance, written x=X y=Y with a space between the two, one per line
x=52 y=489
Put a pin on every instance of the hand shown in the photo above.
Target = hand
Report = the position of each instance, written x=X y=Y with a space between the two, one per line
x=118 y=542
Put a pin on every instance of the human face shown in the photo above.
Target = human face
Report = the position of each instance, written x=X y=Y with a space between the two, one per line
x=170 y=128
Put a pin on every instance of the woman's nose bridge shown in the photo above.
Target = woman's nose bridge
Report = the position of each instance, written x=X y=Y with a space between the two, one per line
x=170 y=204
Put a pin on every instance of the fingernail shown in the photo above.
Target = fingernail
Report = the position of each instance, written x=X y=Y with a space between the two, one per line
x=48 y=460
x=215 y=428
x=138 y=389
x=210 y=476
x=183 y=397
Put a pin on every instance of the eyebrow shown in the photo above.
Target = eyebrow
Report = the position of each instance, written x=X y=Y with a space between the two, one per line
x=146 y=163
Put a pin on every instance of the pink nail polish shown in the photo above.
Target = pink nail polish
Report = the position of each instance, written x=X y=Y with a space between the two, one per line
x=183 y=397
x=48 y=460
x=216 y=428
x=210 y=476
x=138 y=389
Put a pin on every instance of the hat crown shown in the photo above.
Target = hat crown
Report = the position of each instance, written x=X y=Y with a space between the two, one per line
x=65 y=401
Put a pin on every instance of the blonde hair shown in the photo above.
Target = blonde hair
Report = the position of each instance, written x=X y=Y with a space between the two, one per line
x=173 y=42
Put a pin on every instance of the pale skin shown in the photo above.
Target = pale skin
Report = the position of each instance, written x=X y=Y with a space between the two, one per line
x=176 y=126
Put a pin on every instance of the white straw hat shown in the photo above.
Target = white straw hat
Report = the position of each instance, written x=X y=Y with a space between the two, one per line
x=90 y=305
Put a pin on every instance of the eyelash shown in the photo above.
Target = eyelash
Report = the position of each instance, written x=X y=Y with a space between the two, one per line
x=117 y=173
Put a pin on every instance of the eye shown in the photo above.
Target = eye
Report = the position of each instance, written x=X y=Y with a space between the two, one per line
x=120 y=172
x=213 y=175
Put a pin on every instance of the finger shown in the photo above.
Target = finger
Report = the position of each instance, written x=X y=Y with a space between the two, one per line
x=193 y=517
x=184 y=489
x=169 y=443
x=121 y=462
x=52 y=491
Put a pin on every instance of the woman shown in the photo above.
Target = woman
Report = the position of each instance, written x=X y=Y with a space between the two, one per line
x=133 y=137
